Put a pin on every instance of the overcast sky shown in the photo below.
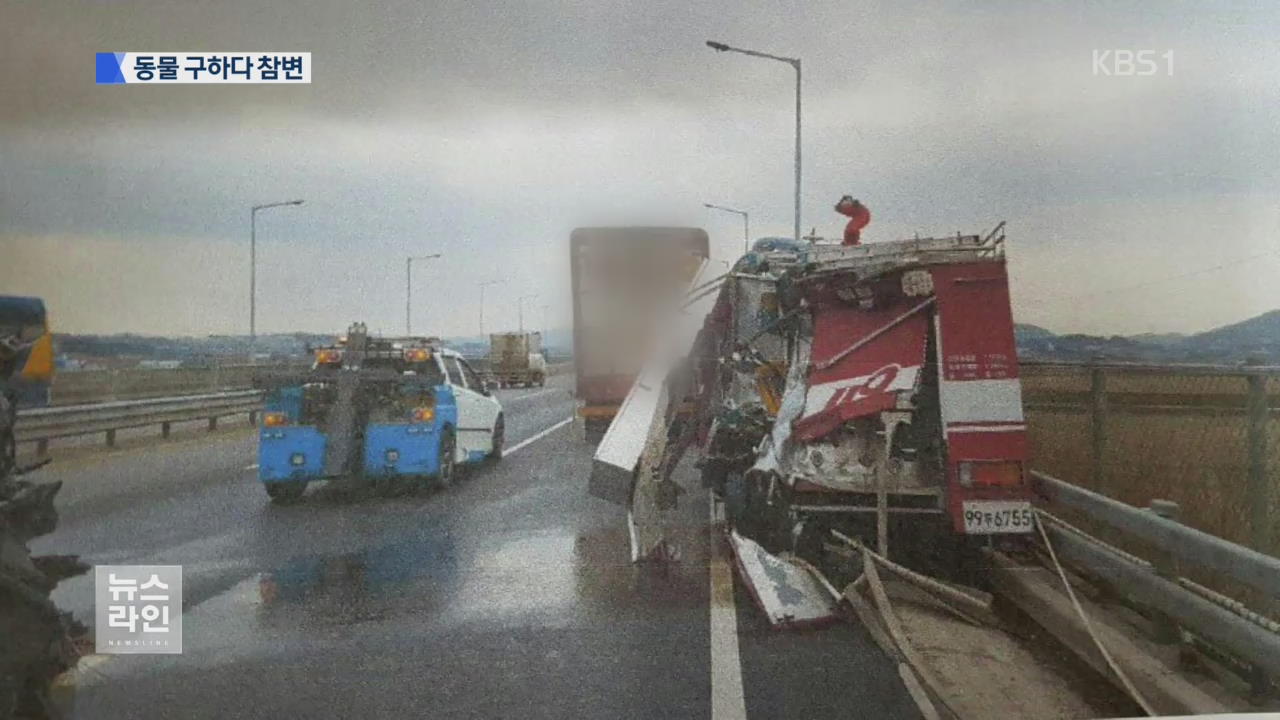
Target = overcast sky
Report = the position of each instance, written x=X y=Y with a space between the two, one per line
x=487 y=131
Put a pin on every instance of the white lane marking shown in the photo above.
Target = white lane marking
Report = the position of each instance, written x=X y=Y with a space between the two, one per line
x=531 y=396
x=251 y=467
x=727 y=699
x=537 y=437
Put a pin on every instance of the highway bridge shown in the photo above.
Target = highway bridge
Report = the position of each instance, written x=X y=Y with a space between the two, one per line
x=510 y=594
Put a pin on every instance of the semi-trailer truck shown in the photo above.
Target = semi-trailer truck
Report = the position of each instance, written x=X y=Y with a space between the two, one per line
x=515 y=358
x=622 y=277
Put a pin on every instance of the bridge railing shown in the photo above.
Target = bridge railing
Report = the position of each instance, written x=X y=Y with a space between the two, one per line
x=91 y=386
x=40 y=425
x=1161 y=584
x=1204 y=436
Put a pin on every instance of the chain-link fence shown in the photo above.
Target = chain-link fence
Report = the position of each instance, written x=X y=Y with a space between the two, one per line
x=1203 y=437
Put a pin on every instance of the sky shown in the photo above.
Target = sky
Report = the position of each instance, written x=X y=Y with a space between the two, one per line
x=487 y=131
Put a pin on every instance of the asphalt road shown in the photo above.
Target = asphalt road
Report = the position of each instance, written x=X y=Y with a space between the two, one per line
x=508 y=595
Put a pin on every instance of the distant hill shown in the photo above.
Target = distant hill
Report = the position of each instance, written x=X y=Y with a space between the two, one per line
x=1257 y=337
x=200 y=351
x=1158 y=338
x=1259 y=334
x=1024 y=331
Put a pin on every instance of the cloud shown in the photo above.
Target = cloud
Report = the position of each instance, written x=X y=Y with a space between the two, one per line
x=488 y=131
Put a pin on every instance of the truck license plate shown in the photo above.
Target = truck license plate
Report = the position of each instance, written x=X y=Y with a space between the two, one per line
x=988 y=517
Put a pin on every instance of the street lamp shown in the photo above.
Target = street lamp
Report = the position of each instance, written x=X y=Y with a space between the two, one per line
x=484 y=284
x=746 y=229
x=795 y=63
x=253 y=266
x=520 y=305
x=408 y=287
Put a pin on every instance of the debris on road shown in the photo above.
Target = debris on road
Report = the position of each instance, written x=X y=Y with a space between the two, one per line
x=786 y=592
x=36 y=637
x=957 y=666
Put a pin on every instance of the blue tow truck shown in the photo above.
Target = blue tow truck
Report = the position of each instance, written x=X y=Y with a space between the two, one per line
x=393 y=411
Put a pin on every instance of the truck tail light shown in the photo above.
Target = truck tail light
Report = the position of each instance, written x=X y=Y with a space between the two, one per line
x=275 y=419
x=424 y=414
x=328 y=357
x=990 y=474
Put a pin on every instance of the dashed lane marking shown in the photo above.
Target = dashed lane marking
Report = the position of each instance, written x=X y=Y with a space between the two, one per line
x=537 y=437
x=534 y=395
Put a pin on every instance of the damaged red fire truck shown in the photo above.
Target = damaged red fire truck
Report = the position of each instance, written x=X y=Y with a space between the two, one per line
x=871 y=389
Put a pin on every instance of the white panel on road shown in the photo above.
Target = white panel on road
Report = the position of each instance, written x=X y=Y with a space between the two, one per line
x=789 y=595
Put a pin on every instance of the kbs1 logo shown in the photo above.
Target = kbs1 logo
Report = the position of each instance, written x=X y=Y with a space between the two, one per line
x=1132 y=63
x=170 y=68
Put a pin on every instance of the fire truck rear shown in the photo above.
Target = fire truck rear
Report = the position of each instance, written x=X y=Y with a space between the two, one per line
x=872 y=387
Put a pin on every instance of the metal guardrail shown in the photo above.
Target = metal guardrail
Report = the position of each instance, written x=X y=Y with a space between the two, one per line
x=1237 y=562
x=40 y=425
x=92 y=386
x=1157 y=584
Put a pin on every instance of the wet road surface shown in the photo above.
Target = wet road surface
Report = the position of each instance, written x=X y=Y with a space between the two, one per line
x=508 y=595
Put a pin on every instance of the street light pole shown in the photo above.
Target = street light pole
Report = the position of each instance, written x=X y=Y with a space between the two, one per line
x=484 y=285
x=253 y=268
x=520 y=305
x=746 y=228
x=408 y=288
x=795 y=63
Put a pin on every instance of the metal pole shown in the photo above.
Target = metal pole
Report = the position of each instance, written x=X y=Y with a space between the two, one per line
x=1259 y=477
x=253 y=270
x=796 y=64
x=408 y=287
x=520 y=305
x=1098 y=430
x=746 y=228
x=483 y=285
x=253 y=280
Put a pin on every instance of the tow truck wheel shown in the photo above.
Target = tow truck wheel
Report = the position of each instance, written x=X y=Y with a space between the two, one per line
x=499 y=437
x=283 y=493
x=448 y=461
